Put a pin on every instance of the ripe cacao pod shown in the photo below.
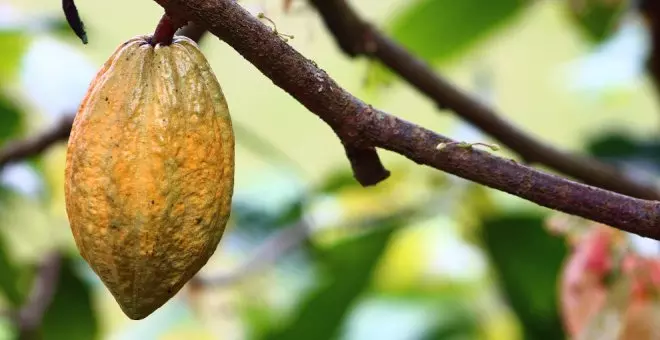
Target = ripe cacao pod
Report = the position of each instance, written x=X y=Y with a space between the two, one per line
x=150 y=171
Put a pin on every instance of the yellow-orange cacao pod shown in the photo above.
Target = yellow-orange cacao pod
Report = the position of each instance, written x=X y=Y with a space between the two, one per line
x=150 y=171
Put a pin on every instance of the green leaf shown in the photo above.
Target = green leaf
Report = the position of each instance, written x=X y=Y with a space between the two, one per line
x=527 y=261
x=10 y=279
x=257 y=316
x=292 y=214
x=456 y=320
x=15 y=39
x=349 y=266
x=597 y=19
x=621 y=149
x=71 y=314
x=5 y=194
x=440 y=30
x=11 y=119
x=14 y=43
x=258 y=219
x=614 y=145
x=337 y=181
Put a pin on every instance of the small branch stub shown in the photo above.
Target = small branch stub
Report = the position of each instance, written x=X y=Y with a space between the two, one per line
x=73 y=18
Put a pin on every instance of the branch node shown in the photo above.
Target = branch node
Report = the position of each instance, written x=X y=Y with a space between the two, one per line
x=284 y=37
x=466 y=145
x=367 y=166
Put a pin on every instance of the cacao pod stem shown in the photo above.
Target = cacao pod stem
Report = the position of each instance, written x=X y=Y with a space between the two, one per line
x=167 y=27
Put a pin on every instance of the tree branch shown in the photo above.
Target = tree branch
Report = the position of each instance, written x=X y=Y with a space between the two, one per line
x=192 y=31
x=356 y=38
x=361 y=127
x=357 y=123
x=18 y=150
x=43 y=290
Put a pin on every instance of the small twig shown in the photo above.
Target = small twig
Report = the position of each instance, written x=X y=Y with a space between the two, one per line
x=284 y=36
x=43 y=290
x=466 y=145
x=73 y=18
x=367 y=168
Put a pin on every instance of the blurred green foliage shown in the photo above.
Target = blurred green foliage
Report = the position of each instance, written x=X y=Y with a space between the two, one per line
x=346 y=268
x=440 y=30
x=13 y=42
x=10 y=279
x=71 y=314
x=597 y=19
x=623 y=148
x=10 y=119
x=456 y=322
x=527 y=261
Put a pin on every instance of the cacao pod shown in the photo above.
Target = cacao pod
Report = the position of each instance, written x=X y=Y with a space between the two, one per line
x=150 y=171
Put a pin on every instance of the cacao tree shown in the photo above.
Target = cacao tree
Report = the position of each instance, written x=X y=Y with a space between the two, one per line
x=490 y=169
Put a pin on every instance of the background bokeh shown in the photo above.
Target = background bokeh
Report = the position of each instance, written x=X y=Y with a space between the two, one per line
x=309 y=254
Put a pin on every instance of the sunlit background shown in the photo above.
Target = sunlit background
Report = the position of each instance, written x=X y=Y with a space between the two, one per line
x=309 y=254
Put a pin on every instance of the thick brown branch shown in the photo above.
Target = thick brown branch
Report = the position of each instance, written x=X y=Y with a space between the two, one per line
x=192 y=31
x=356 y=37
x=353 y=119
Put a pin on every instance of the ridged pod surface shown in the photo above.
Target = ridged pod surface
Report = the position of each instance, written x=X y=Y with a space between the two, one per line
x=150 y=171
